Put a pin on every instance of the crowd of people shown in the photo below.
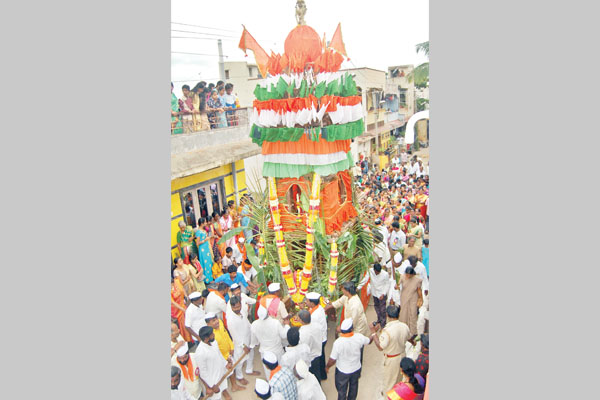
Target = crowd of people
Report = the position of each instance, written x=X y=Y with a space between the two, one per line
x=215 y=332
x=204 y=107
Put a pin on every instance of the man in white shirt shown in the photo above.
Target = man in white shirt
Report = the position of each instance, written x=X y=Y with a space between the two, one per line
x=237 y=254
x=397 y=238
x=395 y=160
x=211 y=365
x=346 y=355
x=246 y=300
x=319 y=318
x=267 y=333
x=295 y=350
x=247 y=269
x=312 y=335
x=382 y=251
x=383 y=229
x=215 y=301
x=194 y=315
x=379 y=283
x=239 y=329
x=309 y=387
x=353 y=307
x=273 y=304
x=178 y=390
x=188 y=366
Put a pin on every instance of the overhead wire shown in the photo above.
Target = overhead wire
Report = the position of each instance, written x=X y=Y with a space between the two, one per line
x=204 y=27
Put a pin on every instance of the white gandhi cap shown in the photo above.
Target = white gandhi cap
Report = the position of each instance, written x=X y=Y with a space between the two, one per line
x=262 y=387
x=269 y=357
x=347 y=324
x=209 y=315
x=195 y=295
x=182 y=350
x=302 y=369
x=262 y=312
x=313 y=296
x=275 y=286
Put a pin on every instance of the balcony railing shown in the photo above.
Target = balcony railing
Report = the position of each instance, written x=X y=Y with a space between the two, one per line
x=192 y=123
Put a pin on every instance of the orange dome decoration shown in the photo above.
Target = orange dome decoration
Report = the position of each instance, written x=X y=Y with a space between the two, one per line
x=302 y=45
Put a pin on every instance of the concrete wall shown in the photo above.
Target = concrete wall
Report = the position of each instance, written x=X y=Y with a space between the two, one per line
x=404 y=84
x=184 y=143
x=243 y=82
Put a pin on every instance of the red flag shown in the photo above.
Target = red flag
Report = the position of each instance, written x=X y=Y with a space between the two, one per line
x=336 y=41
x=247 y=42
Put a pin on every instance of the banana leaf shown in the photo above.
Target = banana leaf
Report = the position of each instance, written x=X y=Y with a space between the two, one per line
x=251 y=255
x=304 y=201
x=230 y=234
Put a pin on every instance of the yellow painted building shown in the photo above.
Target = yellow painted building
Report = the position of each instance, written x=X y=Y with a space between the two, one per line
x=200 y=194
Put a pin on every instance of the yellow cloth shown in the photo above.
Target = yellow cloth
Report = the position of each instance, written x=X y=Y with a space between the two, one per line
x=223 y=340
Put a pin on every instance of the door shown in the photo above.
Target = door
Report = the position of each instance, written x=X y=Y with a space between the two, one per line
x=201 y=201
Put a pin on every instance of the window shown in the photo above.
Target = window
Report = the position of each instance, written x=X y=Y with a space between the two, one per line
x=226 y=74
x=403 y=93
x=250 y=74
x=201 y=201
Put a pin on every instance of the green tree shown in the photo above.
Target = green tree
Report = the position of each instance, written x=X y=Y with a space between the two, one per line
x=420 y=75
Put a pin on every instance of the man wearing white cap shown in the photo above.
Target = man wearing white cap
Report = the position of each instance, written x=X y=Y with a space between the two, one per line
x=215 y=302
x=189 y=368
x=346 y=354
x=311 y=335
x=263 y=391
x=239 y=251
x=308 y=385
x=318 y=317
x=211 y=365
x=194 y=315
x=268 y=333
x=281 y=379
x=273 y=304
x=239 y=328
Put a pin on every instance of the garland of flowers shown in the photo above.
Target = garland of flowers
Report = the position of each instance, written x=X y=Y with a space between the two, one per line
x=310 y=237
x=333 y=269
x=279 y=240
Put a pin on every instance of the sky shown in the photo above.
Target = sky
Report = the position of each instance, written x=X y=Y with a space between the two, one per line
x=377 y=33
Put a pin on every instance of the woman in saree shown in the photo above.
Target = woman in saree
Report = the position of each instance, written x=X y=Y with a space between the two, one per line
x=226 y=222
x=197 y=273
x=184 y=275
x=176 y=125
x=205 y=259
x=218 y=249
x=409 y=387
x=178 y=306
x=185 y=241
x=411 y=298
x=416 y=231
x=420 y=200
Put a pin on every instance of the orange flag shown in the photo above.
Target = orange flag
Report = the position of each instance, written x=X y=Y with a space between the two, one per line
x=247 y=42
x=336 y=41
